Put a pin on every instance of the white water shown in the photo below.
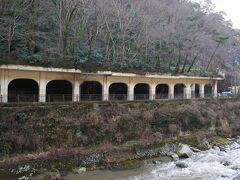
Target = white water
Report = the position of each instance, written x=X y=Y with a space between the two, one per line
x=202 y=166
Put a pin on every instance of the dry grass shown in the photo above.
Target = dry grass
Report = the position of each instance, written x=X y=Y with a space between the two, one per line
x=37 y=129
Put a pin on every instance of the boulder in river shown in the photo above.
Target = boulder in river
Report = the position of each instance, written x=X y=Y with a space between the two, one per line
x=195 y=150
x=206 y=145
x=234 y=146
x=175 y=157
x=224 y=148
x=80 y=170
x=236 y=168
x=226 y=163
x=216 y=148
x=238 y=139
x=23 y=178
x=181 y=164
x=164 y=159
x=154 y=162
x=52 y=175
x=184 y=151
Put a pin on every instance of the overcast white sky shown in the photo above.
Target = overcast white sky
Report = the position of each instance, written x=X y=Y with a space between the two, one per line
x=232 y=8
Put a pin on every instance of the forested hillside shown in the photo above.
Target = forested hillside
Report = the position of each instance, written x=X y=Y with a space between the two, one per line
x=174 y=36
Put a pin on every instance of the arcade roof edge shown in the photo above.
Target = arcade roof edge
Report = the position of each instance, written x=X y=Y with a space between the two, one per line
x=106 y=73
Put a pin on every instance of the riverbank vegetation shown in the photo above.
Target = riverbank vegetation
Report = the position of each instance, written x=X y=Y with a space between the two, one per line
x=165 y=36
x=48 y=127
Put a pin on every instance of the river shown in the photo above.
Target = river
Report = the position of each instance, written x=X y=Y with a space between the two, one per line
x=207 y=165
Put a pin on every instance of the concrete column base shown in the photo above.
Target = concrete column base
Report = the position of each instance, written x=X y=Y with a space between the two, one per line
x=188 y=94
x=42 y=87
x=42 y=97
x=76 y=91
x=215 y=89
x=105 y=95
x=171 y=91
x=130 y=95
x=201 y=91
x=4 y=98
x=152 y=94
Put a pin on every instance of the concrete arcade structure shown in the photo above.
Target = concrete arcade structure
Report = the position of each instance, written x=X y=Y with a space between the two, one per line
x=29 y=83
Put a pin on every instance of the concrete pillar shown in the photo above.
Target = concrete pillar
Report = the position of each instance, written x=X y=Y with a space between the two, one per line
x=4 y=95
x=215 y=89
x=188 y=91
x=4 y=86
x=152 y=93
x=76 y=89
x=105 y=95
x=171 y=91
x=130 y=92
x=201 y=90
x=105 y=90
x=42 y=87
x=193 y=91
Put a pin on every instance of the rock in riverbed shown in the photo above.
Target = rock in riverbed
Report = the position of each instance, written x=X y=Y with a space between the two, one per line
x=181 y=165
x=80 y=170
x=51 y=175
x=195 y=150
x=236 y=168
x=184 y=151
x=175 y=157
x=234 y=146
x=226 y=163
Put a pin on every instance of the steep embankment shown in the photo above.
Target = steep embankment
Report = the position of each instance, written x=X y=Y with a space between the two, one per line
x=68 y=129
x=42 y=128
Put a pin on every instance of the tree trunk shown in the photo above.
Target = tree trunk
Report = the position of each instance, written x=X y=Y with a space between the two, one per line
x=178 y=63
x=106 y=55
x=60 y=38
x=90 y=41
x=213 y=54
x=11 y=34
x=193 y=62
x=185 y=63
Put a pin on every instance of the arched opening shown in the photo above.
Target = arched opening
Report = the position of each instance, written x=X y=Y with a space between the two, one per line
x=23 y=90
x=179 y=91
x=141 y=92
x=208 y=90
x=195 y=90
x=162 y=91
x=91 y=91
x=59 y=91
x=118 y=91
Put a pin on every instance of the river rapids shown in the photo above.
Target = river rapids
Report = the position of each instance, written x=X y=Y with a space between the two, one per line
x=212 y=164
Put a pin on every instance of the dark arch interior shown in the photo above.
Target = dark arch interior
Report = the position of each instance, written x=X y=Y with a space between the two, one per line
x=23 y=90
x=59 y=90
x=162 y=91
x=179 y=91
x=141 y=92
x=91 y=90
x=208 y=90
x=195 y=90
x=118 y=91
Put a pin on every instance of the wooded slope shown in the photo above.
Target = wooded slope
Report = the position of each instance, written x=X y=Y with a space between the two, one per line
x=174 y=36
